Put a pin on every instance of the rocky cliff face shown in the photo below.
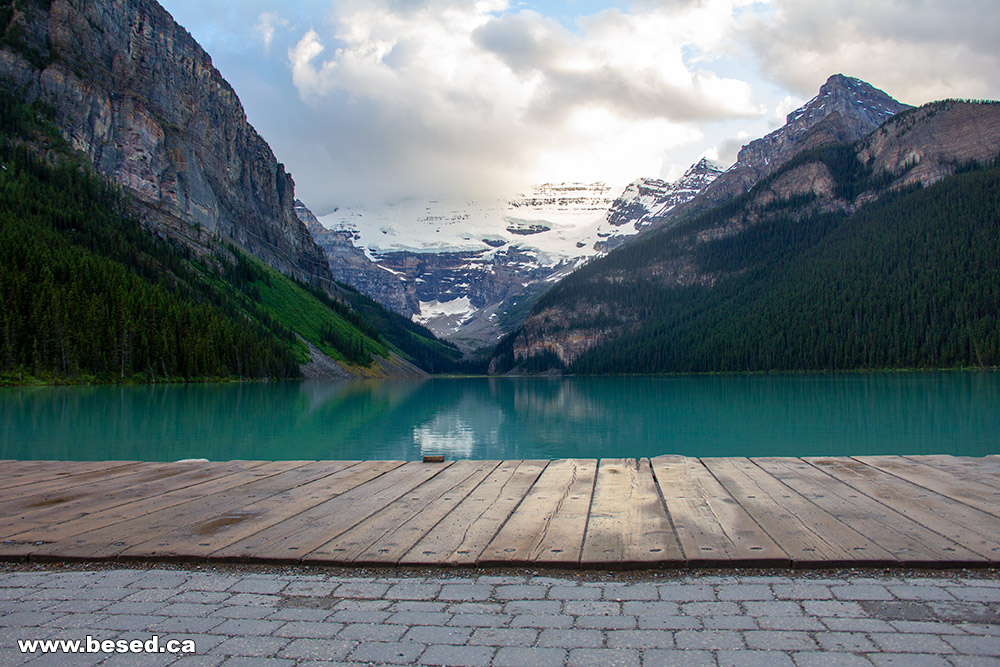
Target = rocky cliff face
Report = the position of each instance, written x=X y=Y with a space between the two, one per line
x=137 y=94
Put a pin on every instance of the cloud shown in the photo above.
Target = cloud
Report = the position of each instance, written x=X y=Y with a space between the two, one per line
x=461 y=97
x=917 y=51
x=266 y=25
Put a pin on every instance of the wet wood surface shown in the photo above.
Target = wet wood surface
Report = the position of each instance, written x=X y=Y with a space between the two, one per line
x=669 y=511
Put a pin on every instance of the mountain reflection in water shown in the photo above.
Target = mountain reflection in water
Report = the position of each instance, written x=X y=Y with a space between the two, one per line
x=505 y=418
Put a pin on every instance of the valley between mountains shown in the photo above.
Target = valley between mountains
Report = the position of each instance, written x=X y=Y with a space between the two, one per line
x=151 y=234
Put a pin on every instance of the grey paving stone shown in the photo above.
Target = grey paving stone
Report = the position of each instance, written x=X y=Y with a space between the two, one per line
x=779 y=640
x=260 y=585
x=199 y=581
x=520 y=592
x=640 y=639
x=127 y=621
x=686 y=592
x=982 y=629
x=419 y=618
x=465 y=592
x=533 y=607
x=669 y=623
x=431 y=634
x=591 y=608
x=857 y=625
x=920 y=592
x=317 y=649
x=310 y=588
x=819 y=659
x=412 y=592
x=179 y=609
x=201 y=597
x=743 y=592
x=470 y=656
x=574 y=593
x=475 y=608
x=353 y=604
x=677 y=658
x=833 y=608
x=977 y=593
x=257 y=647
x=711 y=609
x=300 y=614
x=541 y=621
x=772 y=608
x=907 y=660
x=900 y=642
x=607 y=622
x=729 y=623
x=151 y=595
x=186 y=624
x=861 y=592
x=479 y=620
x=708 y=639
x=309 y=629
x=932 y=627
x=802 y=591
x=516 y=656
x=621 y=592
x=362 y=590
x=367 y=632
x=360 y=616
x=851 y=642
x=258 y=662
x=419 y=606
x=803 y=623
x=504 y=636
x=570 y=638
x=974 y=661
x=247 y=626
x=392 y=652
x=987 y=646
x=644 y=608
x=610 y=657
x=243 y=612
x=753 y=659
x=501 y=580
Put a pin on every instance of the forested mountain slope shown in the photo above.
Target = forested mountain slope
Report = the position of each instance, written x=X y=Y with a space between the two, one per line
x=874 y=254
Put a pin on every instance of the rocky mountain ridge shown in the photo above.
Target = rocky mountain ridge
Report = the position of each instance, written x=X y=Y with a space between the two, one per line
x=135 y=92
x=918 y=146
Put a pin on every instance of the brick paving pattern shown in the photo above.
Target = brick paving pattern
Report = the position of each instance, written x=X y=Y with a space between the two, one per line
x=300 y=617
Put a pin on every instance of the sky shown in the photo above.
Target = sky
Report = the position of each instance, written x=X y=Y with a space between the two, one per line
x=368 y=102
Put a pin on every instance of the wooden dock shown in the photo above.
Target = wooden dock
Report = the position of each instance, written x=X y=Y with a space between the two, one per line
x=670 y=511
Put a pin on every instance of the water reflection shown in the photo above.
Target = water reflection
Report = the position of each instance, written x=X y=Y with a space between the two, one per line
x=495 y=418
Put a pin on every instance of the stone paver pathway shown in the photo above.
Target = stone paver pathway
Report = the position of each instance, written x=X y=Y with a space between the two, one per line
x=301 y=617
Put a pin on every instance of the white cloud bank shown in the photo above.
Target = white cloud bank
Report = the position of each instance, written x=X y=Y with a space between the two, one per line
x=384 y=99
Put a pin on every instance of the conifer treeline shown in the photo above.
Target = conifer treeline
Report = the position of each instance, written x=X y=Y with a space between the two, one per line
x=86 y=294
x=910 y=281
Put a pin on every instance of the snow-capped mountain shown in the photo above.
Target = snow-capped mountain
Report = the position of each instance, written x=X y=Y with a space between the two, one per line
x=465 y=268
x=646 y=199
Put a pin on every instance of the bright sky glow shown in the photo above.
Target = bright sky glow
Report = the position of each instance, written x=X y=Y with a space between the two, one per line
x=368 y=101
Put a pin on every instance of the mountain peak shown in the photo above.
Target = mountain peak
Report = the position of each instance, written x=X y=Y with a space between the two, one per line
x=850 y=97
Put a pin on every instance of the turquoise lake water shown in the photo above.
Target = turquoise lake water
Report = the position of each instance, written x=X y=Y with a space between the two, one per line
x=501 y=418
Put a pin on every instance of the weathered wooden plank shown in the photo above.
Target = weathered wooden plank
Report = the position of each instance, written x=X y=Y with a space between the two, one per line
x=291 y=539
x=973 y=529
x=806 y=533
x=201 y=535
x=711 y=526
x=548 y=526
x=72 y=520
x=84 y=493
x=628 y=523
x=908 y=541
x=384 y=537
x=50 y=474
x=973 y=469
x=464 y=533
x=106 y=534
x=975 y=494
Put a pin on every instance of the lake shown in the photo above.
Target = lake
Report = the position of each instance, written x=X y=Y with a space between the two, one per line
x=502 y=418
